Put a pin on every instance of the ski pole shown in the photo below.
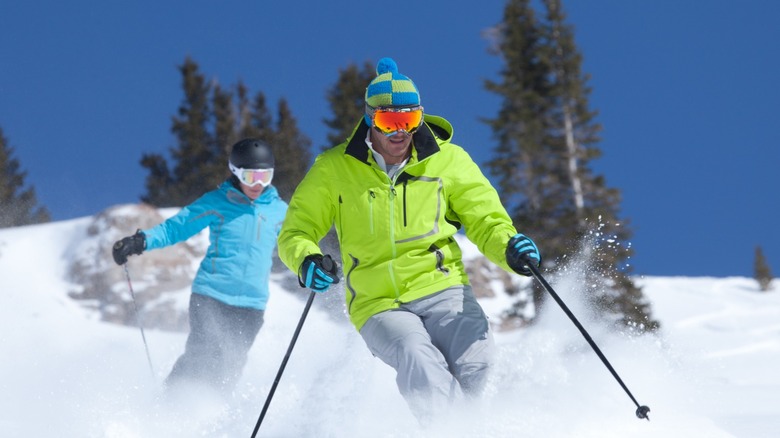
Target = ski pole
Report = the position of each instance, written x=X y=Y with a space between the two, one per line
x=138 y=318
x=329 y=265
x=641 y=411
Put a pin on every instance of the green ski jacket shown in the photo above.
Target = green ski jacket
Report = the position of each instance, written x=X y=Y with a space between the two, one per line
x=396 y=236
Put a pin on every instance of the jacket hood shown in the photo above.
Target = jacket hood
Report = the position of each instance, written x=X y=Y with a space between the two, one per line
x=440 y=127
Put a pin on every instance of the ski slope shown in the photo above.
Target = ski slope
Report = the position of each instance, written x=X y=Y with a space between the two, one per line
x=711 y=372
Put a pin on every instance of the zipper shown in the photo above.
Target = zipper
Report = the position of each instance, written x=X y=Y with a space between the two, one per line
x=392 y=242
x=371 y=198
x=348 y=286
x=260 y=220
x=341 y=218
x=404 y=204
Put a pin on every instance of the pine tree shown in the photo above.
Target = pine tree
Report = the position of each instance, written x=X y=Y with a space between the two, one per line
x=547 y=137
x=593 y=207
x=245 y=129
x=518 y=128
x=194 y=153
x=346 y=98
x=518 y=162
x=226 y=131
x=19 y=206
x=292 y=151
x=761 y=271
x=262 y=126
x=208 y=124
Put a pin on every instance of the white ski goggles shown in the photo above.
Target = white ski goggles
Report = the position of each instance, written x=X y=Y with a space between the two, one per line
x=252 y=177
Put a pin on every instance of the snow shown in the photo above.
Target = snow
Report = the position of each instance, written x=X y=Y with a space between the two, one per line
x=712 y=371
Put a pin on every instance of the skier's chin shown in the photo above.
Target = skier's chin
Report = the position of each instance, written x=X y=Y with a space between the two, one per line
x=254 y=192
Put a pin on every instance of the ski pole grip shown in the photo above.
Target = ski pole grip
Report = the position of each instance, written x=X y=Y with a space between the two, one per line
x=331 y=267
x=526 y=264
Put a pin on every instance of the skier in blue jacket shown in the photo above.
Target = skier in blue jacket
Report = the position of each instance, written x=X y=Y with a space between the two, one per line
x=229 y=293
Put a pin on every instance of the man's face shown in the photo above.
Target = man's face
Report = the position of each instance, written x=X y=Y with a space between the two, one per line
x=394 y=148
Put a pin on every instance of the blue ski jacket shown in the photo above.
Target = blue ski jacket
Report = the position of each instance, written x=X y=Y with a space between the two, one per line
x=242 y=236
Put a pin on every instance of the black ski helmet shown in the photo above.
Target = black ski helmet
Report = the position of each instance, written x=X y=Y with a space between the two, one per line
x=251 y=153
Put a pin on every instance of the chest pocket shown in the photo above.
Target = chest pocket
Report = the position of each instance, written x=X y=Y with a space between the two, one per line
x=419 y=208
x=360 y=215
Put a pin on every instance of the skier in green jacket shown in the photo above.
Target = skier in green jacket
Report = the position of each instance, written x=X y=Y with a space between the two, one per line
x=397 y=191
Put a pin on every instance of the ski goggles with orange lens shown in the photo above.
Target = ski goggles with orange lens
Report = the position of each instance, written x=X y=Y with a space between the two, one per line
x=390 y=121
x=252 y=177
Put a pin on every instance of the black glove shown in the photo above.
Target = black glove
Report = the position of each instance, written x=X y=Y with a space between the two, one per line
x=135 y=244
x=318 y=272
x=521 y=251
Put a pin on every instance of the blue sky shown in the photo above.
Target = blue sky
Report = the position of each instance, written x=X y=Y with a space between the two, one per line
x=687 y=95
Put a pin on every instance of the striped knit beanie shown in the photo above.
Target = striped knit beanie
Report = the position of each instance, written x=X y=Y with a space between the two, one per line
x=389 y=88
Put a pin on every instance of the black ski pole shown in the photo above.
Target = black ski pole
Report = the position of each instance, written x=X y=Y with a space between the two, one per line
x=329 y=265
x=641 y=411
x=138 y=318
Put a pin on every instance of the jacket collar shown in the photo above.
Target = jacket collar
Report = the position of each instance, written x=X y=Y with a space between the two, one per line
x=236 y=196
x=424 y=142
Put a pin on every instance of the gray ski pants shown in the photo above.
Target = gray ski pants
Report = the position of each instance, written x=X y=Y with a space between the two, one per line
x=218 y=344
x=439 y=345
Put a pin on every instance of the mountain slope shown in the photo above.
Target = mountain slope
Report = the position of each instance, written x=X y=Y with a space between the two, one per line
x=711 y=372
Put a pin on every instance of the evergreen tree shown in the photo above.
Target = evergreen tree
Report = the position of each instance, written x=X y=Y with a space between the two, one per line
x=18 y=206
x=194 y=153
x=346 y=98
x=592 y=212
x=159 y=181
x=292 y=151
x=761 y=271
x=547 y=136
x=261 y=121
x=226 y=131
x=244 y=111
x=518 y=162
x=209 y=122
x=518 y=159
